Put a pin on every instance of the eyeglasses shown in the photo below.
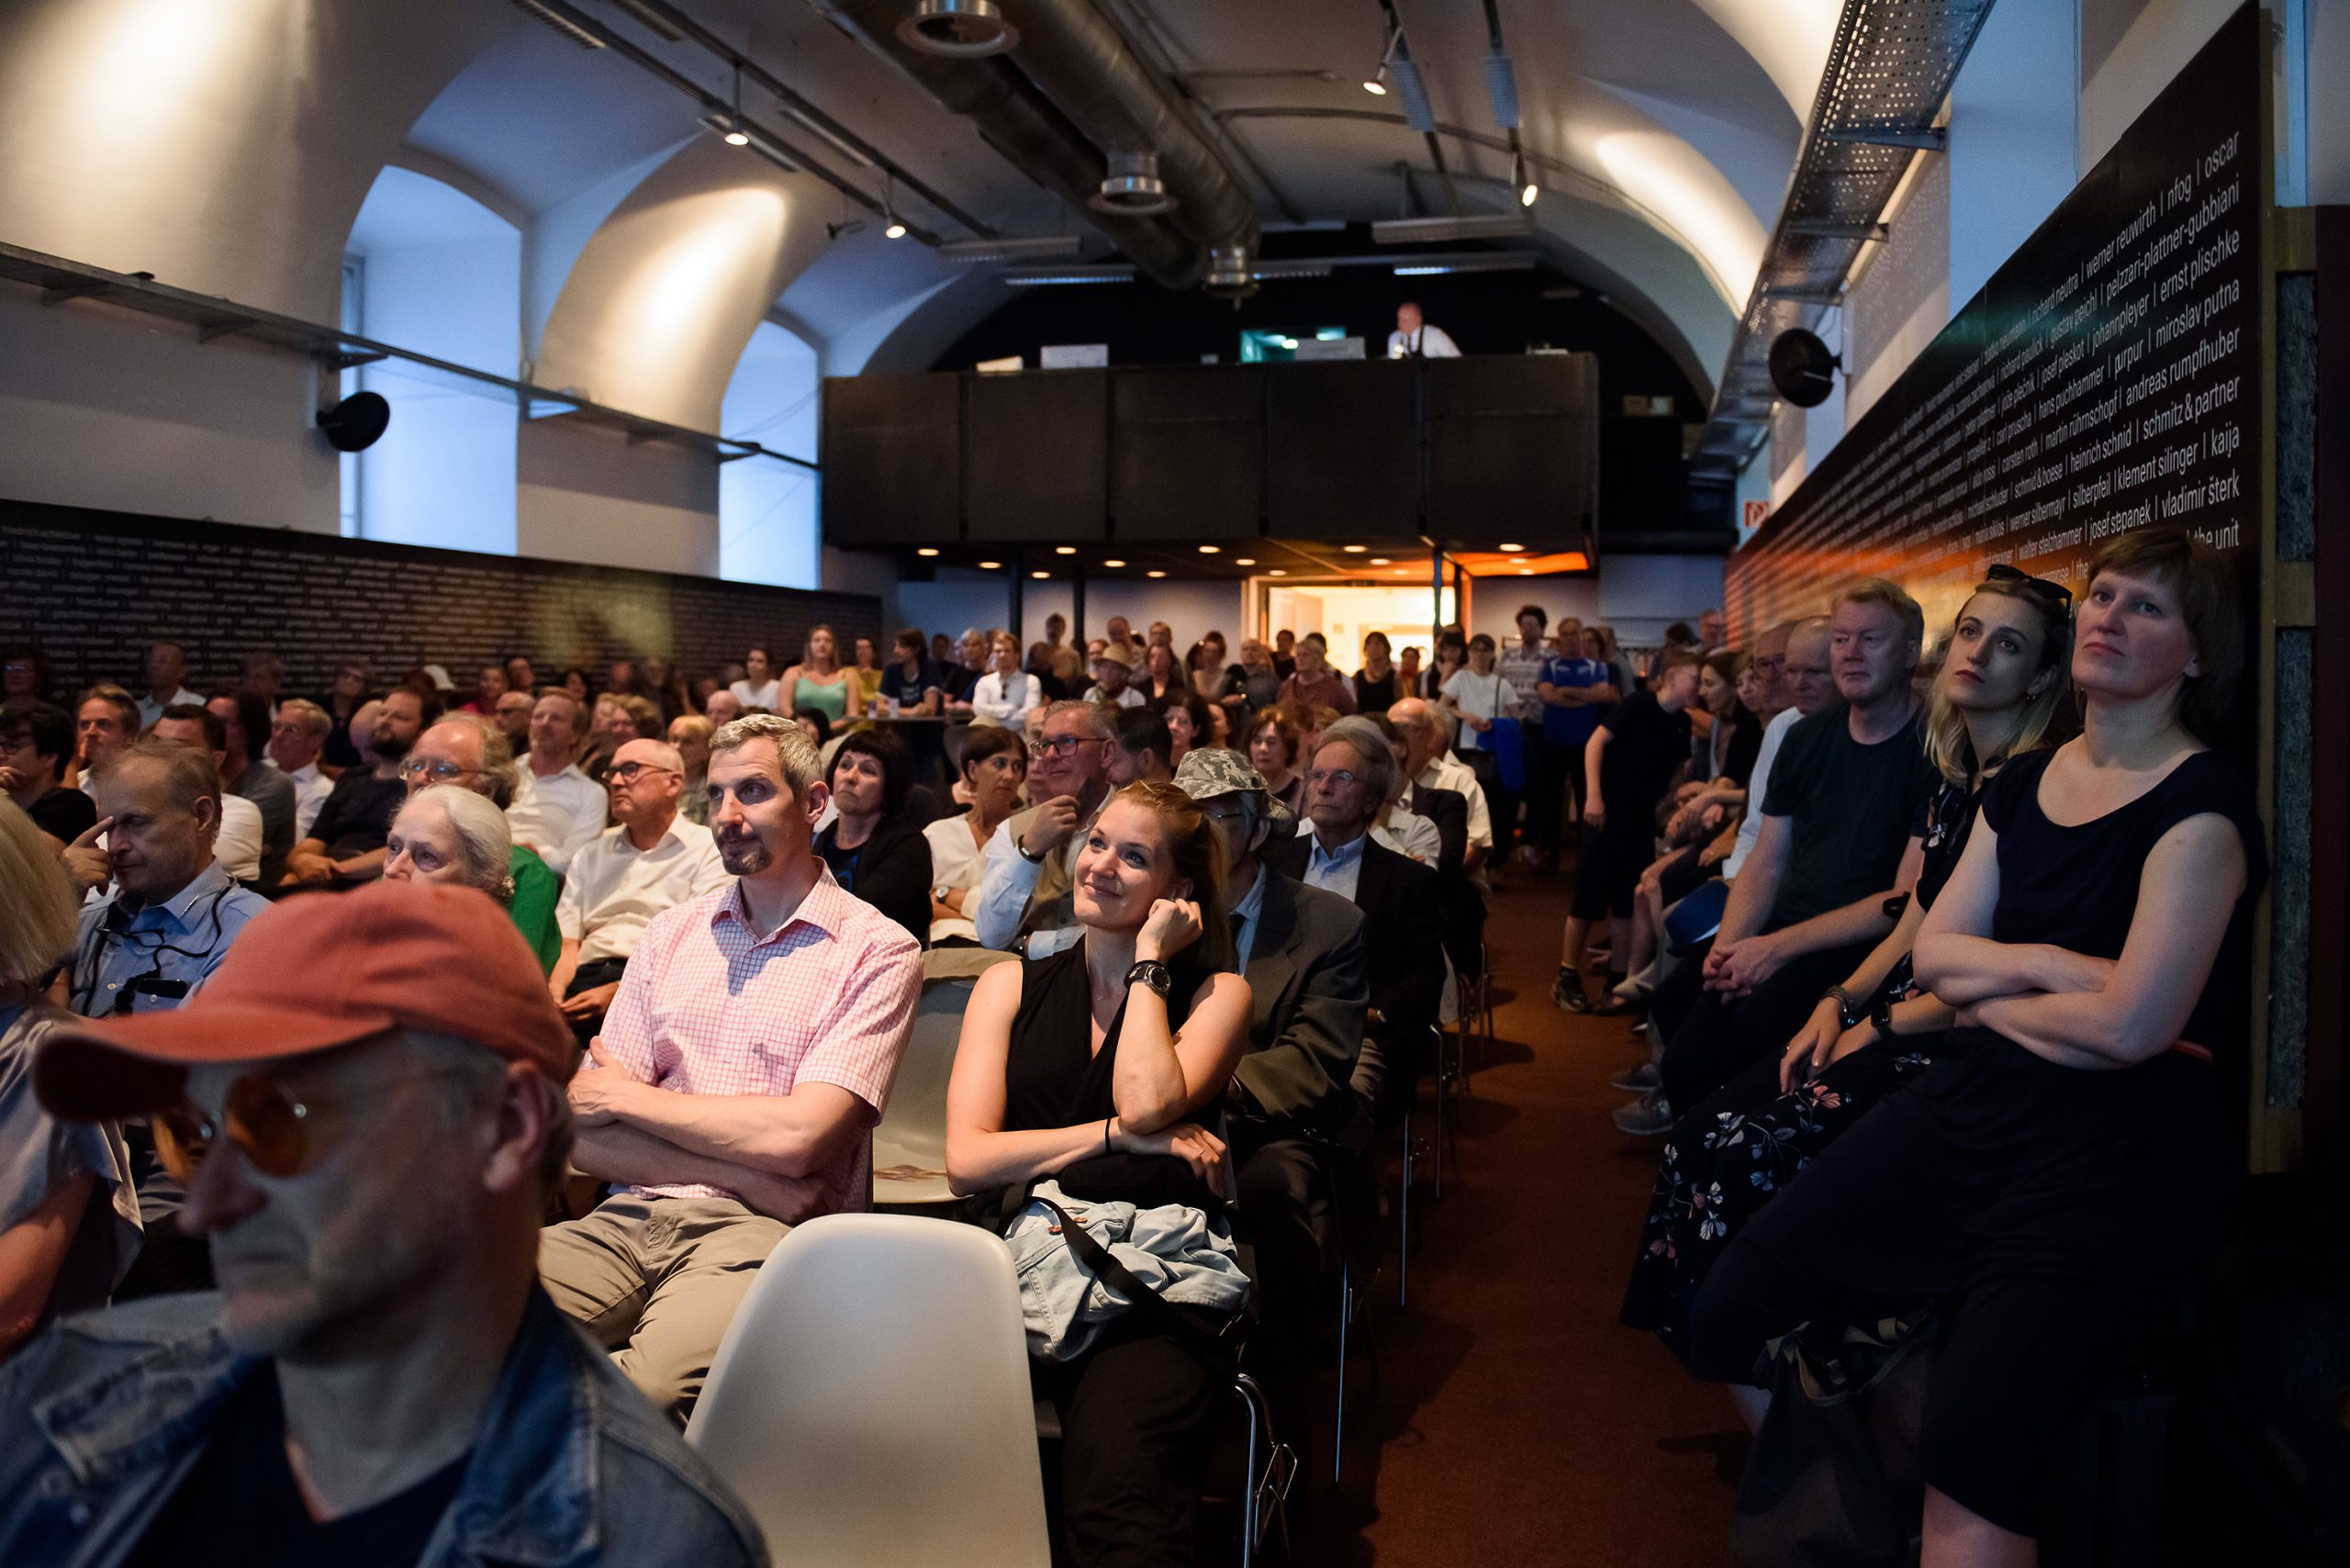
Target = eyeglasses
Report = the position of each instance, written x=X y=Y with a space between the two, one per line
x=1059 y=746
x=279 y=1133
x=2040 y=588
x=626 y=772
x=435 y=771
x=1337 y=778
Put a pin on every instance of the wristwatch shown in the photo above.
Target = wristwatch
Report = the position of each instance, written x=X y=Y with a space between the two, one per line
x=1037 y=859
x=1153 y=974
x=1849 y=1010
x=1882 y=1016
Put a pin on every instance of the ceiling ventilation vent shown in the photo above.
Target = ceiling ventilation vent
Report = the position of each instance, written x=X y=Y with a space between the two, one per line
x=1133 y=188
x=1232 y=272
x=959 y=30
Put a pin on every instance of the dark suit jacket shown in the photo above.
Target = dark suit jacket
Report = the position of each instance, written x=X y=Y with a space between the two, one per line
x=1448 y=808
x=1398 y=900
x=1307 y=987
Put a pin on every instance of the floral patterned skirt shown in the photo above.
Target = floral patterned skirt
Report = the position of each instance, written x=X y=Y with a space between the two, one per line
x=1732 y=1154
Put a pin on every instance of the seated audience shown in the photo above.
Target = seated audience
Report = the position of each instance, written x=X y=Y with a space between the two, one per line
x=26 y=675
x=866 y=669
x=872 y=847
x=345 y=843
x=489 y=685
x=994 y=765
x=164 y=666
x=1431 y=765
x=244 y=723
x=1840 y=836
x=2049 y=1180
x=1347 y=786
x=242 y=837
x=1375 y=687
x=1408 y=833
x=297 y=738
x=1189 y=726
x=821 y=681
x=351 y=692
x=1027 y=880
x=722 y=709
x=1111 y=676
x=447 y=834
x=912 y=684
x=1097 y=1066
x=959 y=679
x=377 y=1214
x=106 y=722
x=558 y=810
x=512 y=717
x=1006 y=692
x=1251 y=686
x=758 y=688
x=1315 y=683
x=652 y=860
x=1139 y=750
x=620 y=718
x=69 y=1217
x=36 y=745
x=941 y=651
x=814 y=725
x=1118 y=637
x=521 y=676
x=2002 y=680
x=1273 y=742
x=1292 y=1107
x=690 y=732
x=465 y=751
x=1205 y=666
x=745 y=1058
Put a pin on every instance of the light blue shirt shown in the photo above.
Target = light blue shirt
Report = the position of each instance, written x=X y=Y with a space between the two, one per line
x=1245 y=922
x=1338 y=872
x=168 y=949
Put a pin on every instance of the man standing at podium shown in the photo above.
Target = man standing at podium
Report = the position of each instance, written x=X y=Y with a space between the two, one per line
x=1415 y=339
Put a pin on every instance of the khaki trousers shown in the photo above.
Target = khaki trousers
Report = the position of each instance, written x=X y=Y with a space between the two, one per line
x=655 y=1281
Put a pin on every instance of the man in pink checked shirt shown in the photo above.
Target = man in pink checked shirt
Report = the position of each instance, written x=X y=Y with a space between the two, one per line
x=749 y=1048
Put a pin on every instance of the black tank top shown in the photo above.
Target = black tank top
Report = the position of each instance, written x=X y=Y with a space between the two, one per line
x=2077 y=887
x=1053 y=1077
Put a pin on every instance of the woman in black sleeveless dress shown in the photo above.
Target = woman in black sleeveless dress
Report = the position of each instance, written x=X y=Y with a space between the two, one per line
x=1072 y=1067
x=2002 y=679
x=2048 y=1179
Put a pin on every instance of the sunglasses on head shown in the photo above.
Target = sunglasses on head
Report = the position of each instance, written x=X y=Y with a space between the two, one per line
x=2041 y=587
x=280 y=1131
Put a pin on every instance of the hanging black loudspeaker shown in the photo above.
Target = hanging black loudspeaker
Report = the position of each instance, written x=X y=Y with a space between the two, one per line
x=1802 y=369
x=357 y=423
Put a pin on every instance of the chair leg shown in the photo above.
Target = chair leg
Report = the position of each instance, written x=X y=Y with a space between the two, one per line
x=1404 y=1224
x=1270 y=1484
x=1338 y=1426
x=1435 y=1144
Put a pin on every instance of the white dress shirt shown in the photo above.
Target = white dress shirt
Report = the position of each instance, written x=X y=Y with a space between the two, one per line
x=558 y=814
x=1006 y=699
x=1410 y=835
x=311 y=789
x=615 y=888
x=238 y=850
x=1246 y=916
x=1449 y=772
x=955 y=862
x=150 y=710
x=1478 y=696
x=1429 y=343
x=1336 y=871
x=1750 y=827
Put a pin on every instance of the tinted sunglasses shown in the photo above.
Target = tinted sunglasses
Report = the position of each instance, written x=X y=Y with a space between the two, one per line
x=280 y=1132
x=2040 y=587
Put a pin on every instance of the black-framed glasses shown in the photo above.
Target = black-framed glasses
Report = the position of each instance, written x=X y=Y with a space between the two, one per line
x=1059 y=746
x=626 y=772
x=2055 y=593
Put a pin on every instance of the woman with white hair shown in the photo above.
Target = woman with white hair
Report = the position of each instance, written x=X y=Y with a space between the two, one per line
x=448 y=834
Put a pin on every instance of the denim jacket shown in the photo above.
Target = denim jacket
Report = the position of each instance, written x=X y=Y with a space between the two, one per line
x=102 y=1416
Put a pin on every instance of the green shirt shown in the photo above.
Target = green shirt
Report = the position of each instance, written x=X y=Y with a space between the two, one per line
x=533 y=906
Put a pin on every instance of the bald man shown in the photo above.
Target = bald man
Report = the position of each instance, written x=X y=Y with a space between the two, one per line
x=652 y=860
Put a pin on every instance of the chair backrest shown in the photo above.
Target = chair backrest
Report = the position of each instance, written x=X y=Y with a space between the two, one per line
x=870 y=1402
x=912 y=1135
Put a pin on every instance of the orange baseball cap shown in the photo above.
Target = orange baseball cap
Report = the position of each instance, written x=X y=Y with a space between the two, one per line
x=316 y=972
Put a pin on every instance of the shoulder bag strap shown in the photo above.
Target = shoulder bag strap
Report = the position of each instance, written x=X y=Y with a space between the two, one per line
x=1097 y=1260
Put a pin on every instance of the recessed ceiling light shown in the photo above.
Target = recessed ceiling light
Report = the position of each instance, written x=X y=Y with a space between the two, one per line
x=990 y=565
x=1040 y=576
x=1526 y=571
x=1154 y=574
x=1354 y=549
x=1244 y=560
x=1379 y=560
x=1402 y=571
x=925 y=550
x=1512 y=549
x=1114 y=563
x=1209 y=550
x=1276 y=572
x=1064 y=549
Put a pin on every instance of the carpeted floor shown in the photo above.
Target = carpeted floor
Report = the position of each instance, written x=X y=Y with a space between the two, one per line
x=1513 y=1421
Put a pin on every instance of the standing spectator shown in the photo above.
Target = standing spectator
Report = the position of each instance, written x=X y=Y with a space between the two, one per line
x=912 y=683
x=390 y=1149
x=995 y=764
x=690 y=732
x=1572 y=692
x=1285 y=653
x=1162 y=678
x=867 y=672
x=1056 y=630
x=36 y=744
x=1111 y=675
x=345 y=843
x=1521 y=663
x=69 y=1216
x=164 y=666
x=758 y=688
x=489 y=685
x=746 y=1055
x=295 y=741
x=1315 y=684
x=1478 y=698
x=243 y=838
x=557 y=809
x=1409 y=678
x=1027 y=883
x=106 y=722
x=1250 y=687
x=1376 y=684
x=1120 y=640
x=962 y=677
x=819 y=680
x=1452 y=653
x=1206 y=666
x=244 y=724
x=1006 y=692
x=872 y=850
x=349 y=694
x=650 y=861
x=469 y=755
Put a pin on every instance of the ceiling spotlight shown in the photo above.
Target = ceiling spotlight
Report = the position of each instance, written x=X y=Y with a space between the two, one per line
x=1376 y=83
x=960 y=30
x=990 y=565
x=1512 y=549
x=1526 y=571
x=1040 y=576
x=734 y=135
x=1114 y=564
x=892 y=226
x=1354 y=549
x=1527 y=189
x=1276 y=572
x=1244 y=560
x=1209 y=550
x=1379 y=560
x=1064 y=549
x=896 y=229
x=926 y=550
x=1154 y=574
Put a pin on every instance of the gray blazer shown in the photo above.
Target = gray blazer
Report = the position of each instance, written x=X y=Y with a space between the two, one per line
x=1309 y=985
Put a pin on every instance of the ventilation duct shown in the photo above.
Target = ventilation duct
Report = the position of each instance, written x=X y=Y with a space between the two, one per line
x=1231 y=274
x=957 y=29
x=1133 y=188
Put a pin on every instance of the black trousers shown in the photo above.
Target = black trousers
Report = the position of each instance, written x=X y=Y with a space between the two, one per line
x=1546 y=786
x=1137 y=1425
x=1286 y=1212
x=1721 y=1036
x=2047 y=1212
x=1501 y=802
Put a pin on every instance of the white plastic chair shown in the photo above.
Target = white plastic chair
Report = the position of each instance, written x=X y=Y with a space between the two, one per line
x=910 y=1142
x=870 y=1401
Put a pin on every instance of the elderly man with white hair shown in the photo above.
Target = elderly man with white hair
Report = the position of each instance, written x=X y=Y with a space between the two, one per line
x=652 y=861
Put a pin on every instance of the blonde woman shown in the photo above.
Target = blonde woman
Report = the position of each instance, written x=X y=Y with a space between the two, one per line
x=820 y=681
